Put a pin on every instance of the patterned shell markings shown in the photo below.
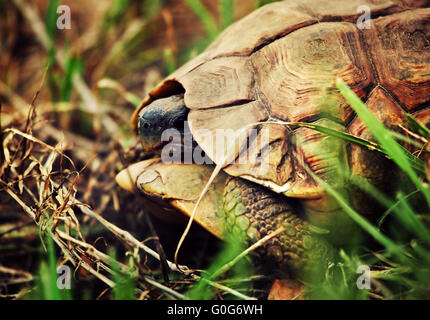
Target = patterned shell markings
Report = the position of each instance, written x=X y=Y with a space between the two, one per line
x=285 y=70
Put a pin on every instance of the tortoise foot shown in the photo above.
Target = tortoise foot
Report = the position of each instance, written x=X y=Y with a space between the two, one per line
x=286 y=289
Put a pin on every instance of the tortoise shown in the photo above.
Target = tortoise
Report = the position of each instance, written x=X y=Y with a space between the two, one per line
x=276 y=66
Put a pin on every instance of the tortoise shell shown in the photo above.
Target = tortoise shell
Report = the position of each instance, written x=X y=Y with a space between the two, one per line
x=280 y=63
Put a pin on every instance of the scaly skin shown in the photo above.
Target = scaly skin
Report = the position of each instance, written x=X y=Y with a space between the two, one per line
x=250 y=212
x=253 y=212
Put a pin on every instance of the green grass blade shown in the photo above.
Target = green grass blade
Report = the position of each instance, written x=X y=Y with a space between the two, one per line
x=226 y=10
x=406 y=139
x=410 y=220
x=331 y=132
x=416 y=163
x=46 y=287
x=51 y=279
x=344 y=136
x=391 y=208
x=193 y=50
x=114 y=14
x=170 y=61
x=205 y=17
x=417 y=126
x=152 y=8
x=51 y=29
x=72 y=67
x=51 y=19
x=260 y=3
x=391 y=247
x=230 y=250
x=401 y=208
x=382 y=135
x=125 y=283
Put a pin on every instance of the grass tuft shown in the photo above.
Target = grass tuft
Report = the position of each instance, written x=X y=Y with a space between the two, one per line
x=205 y=17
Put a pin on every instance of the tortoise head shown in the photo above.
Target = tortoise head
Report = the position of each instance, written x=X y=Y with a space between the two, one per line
x=157 y=117
x=171 y=187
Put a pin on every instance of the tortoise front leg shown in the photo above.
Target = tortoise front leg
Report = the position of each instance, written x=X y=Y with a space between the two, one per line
x=253 y=212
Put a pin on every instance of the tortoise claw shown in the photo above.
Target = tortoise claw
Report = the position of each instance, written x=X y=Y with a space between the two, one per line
x=127 y=178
